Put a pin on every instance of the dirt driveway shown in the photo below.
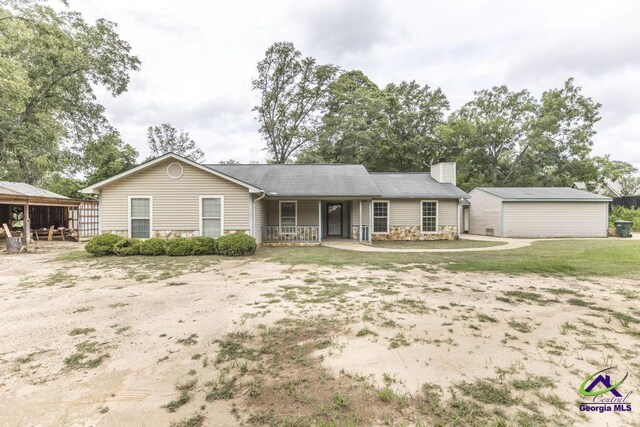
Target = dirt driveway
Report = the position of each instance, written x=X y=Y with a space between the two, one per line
x=211 y=341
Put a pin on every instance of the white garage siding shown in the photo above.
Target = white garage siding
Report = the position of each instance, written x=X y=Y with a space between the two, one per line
x=484 y=213
x=554 y=219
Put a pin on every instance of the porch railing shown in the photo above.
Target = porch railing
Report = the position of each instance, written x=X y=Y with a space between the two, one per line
x=275 y=234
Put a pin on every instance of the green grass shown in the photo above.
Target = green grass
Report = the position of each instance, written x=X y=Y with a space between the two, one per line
x=578 y=258
x=436 y=244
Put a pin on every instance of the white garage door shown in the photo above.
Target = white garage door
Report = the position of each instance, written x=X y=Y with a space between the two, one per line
x=555 y=219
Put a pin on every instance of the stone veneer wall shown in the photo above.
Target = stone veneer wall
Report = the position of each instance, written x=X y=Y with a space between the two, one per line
x=169 y=234
x=409 y=232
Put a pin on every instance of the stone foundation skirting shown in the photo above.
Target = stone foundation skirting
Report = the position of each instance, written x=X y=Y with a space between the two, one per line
x=445 y=232
x=355 y=232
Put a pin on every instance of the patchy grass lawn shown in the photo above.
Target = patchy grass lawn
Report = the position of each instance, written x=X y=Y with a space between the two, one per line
x=578 y=258
x=321 y=337
x=436 y=244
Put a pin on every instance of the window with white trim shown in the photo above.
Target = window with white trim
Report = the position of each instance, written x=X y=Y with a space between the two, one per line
x=288 y=212
x=429 y=217
x=140 y=213
x=211 y=210
x=380 y=217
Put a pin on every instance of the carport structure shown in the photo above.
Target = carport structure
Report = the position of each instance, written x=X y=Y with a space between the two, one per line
x=31 y=212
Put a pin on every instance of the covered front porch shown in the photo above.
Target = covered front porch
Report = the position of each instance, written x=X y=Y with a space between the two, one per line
x=312 y=221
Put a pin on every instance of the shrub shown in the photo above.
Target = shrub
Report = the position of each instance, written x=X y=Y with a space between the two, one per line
x=127 y=247
x=103 y=244
x=153 y=246
x=236 y=244
x=179 y=246
x=204 y=246
x=619 y=212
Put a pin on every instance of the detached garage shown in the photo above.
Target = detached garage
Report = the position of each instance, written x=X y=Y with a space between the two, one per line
x=538 y=212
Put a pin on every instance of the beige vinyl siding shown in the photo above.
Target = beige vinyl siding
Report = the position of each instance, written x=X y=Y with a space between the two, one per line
x=273 y=210
x=308 y=212
x=175 y=201
x=260 y=217
x=356 y=212
x=448 y=212
x=555 y=219
x=484 y=213
x=406 y=212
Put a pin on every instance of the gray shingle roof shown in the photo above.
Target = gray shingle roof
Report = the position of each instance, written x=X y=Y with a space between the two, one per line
x=544 y=193
x=304 y=180
x=414 y=186
x=26 y=190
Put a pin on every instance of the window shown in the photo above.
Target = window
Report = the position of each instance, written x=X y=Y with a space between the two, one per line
x=211 y=216
x=140 y=217
x=288 y=216
x=380 y=217
x=429 y=217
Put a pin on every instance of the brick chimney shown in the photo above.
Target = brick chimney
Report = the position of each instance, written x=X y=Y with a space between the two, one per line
x=444 y=171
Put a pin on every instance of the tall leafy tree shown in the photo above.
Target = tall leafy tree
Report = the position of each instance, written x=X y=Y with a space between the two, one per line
x=50 y=62
x=354 y=126
x=102 y=158
x=390 y=129
x=165 y=138
x=414 y=113
x=293 y=91
x=505 y=138
x=108 y=156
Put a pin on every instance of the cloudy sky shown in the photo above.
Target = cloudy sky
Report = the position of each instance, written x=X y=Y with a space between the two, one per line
x=198 y=57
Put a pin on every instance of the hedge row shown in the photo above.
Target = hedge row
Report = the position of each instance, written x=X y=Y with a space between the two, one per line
x=230 y=245
x=619 y=212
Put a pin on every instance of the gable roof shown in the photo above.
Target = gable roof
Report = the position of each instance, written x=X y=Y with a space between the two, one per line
x=543 y=194
x=414 y=186
x=291 y=180
x=312 y=180
x=95 y=187
x=27 y=190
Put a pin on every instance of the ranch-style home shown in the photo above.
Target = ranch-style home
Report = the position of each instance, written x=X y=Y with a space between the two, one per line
x=279 y=203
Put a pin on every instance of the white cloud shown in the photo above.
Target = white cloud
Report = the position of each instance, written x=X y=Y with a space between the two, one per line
x=198 y=57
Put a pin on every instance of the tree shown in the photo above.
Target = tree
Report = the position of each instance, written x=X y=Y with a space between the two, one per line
x=504 y=138
x=354 y=125
x=629 y=185
x=390 y=129
x=108 y=156
x=622 y=173
x=229 y=162
x=50 y=62
x=293 y=91
x=414 y=114
x=165 y=138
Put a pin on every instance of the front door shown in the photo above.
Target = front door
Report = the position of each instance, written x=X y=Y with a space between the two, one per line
x=334 y=219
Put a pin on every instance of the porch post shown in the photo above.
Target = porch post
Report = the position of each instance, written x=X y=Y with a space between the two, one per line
x=319 y=221
x=360 y=222
x=26 y=225
x=370 y=219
